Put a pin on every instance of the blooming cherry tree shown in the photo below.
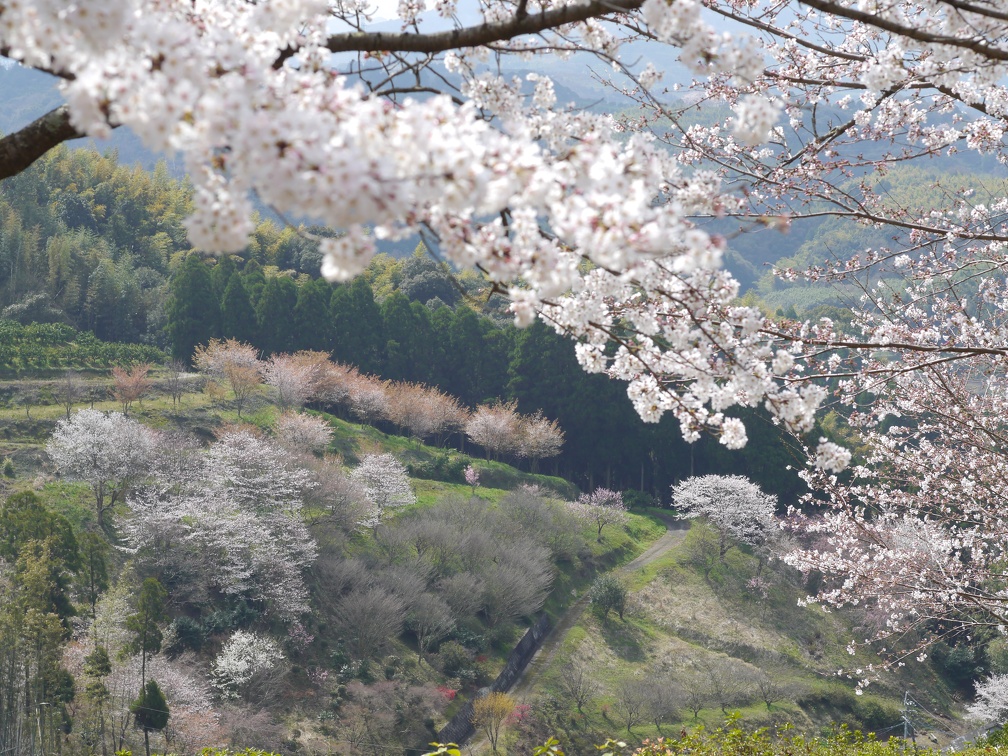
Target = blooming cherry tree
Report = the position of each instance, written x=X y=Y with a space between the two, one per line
x=734 y=505
x=601 y=507
x=385 y=483
x=110 y=452
x=301 y=433
x=243 y=657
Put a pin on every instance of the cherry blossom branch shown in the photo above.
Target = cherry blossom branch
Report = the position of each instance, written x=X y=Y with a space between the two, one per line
x=23 y=147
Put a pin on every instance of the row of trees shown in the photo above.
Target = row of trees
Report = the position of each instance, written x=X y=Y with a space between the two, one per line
x=422 y=412
x=465 y=355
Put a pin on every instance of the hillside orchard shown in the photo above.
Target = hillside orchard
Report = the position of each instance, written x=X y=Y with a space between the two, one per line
x=593 y=222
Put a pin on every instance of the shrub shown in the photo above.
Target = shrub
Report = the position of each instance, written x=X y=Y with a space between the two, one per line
x=8 y=468
x=455 y=660
x=185 y=634
x=608 y=594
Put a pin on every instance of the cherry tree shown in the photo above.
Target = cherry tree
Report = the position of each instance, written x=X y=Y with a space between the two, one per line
x=110 y=452
x=236 y=528
x=385 y=483
x=130 y=385
x=496 y=428
x=235 y=362
x=600 y=508
x=245 y=657
x=302 y=433
x=734 y=505
x=991 y=703
x=424 y=411
x=591 y=221
x=292 y=379
x=540 y=438
x=368 y=397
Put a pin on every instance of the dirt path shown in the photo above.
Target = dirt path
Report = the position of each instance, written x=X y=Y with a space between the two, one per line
x=544 y=656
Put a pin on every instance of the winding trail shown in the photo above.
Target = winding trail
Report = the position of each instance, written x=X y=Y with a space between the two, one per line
x=672 y=537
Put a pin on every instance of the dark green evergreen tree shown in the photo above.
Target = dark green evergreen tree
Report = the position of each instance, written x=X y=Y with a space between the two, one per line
x=238 y=319
x=273 y=313
x=93 y=578
x=357 y=326
x=254 y=280
x=406 y=327
x=222 y=273
x=312 y=326
x=144 y=623
x=193 y=310
x=28 y=527
x=150 y=711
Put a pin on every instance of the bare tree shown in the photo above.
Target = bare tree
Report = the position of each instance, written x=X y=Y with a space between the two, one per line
x=27 y=397
x=577 y=684
x=517 y=582
x=463 y=593
x=663 y=700
x=695 y=696
x=370 y=619
x=631 y=700
x=71 y=390
x=175 y=370
x=771 y=687
x=431 y=620
x=728 y=682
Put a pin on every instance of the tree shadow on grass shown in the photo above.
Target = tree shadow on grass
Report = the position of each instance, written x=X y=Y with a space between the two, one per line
x=625 y=639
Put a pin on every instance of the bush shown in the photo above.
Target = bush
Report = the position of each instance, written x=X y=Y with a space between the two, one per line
x=635 y=499
x=8 y=468
x=449 y=468
x=455 y=660
x=186 y=635
x=608 y=594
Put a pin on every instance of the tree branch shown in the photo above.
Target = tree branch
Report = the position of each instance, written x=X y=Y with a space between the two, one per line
x=472 y=36
x=25 y=146
x=977 y=45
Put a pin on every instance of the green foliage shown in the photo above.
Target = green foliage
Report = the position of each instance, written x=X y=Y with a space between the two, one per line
x=150 y=613
x=960 y=663
x=186 y=634
x=150 y=709
x=8 y=468
x=608 y=594
x=40 y=347
x=193 y=310
x=444 y=749
x=441 y=466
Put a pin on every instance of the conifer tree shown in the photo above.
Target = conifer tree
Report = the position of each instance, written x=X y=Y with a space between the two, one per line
x=312 y=327
x=150 y=711
x=238 y=319
x=193 y=310
x=273 y=312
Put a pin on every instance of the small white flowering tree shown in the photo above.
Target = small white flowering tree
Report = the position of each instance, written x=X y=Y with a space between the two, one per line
x=110 y=452
x=540 y=438
x=385 y=483
x=300 y=433
x=734 y=505
x=496 y=428
x=991 y=703
x=244 y=658
x=600 y=508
